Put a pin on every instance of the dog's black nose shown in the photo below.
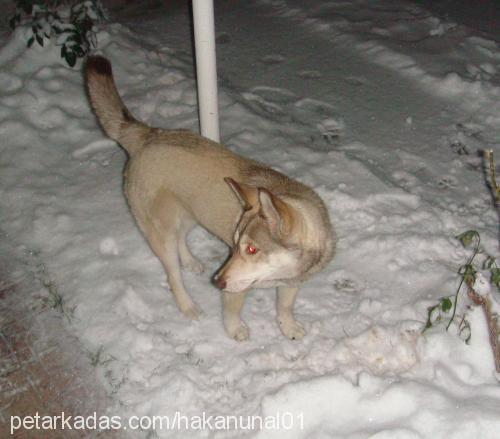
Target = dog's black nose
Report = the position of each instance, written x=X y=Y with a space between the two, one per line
x=221 y=283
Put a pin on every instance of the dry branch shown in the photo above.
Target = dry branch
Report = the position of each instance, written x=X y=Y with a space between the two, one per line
x=491 y=321
x=488 y=153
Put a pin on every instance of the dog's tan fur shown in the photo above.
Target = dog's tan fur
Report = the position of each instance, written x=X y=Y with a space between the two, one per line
x=176 y=179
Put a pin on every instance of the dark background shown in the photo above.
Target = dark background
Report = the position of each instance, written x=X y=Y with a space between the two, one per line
x=481 y=15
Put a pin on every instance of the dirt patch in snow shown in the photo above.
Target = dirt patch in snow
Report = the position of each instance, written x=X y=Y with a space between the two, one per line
x=40 y=372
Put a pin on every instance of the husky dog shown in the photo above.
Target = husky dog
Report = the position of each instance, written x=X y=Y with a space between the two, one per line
x=278 y=229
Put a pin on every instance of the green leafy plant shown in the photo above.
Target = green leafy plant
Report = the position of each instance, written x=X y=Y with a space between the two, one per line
x=467 y=271
x=437 y=312
x=71 y=24
x=446 y=308
x=491 y=264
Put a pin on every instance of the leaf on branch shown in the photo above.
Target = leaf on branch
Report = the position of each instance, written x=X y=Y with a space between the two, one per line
x=465 y=331
x=467 y=237
x=70 y=58
x=14 y=20
x=495 y=276
x=468 y=273
x=435 y=313
x=446 y=304
x=432 y=316
x=488 y=262
x=74 y=32
x=39 y=40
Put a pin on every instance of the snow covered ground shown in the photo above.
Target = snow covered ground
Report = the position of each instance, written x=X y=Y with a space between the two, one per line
x=381 y=107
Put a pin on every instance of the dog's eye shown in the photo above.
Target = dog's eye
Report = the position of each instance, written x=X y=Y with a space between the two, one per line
x=251 y=250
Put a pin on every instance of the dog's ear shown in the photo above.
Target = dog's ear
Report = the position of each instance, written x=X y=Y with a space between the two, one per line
x=276 y=212
x=247 y=195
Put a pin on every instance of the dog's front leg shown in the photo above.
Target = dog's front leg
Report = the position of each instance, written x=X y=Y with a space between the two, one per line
x=288 y=325
x=232 y=304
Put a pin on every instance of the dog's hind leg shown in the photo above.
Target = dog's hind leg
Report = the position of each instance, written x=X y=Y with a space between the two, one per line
x=188 y=261
x=166 y=250
x=170 y=260
x=161 y=227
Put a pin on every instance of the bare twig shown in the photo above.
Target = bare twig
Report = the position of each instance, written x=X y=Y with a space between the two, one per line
x=488 y=153
x=491 y=321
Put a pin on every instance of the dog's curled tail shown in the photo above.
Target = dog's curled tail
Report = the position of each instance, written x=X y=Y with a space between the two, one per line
x=113 y=116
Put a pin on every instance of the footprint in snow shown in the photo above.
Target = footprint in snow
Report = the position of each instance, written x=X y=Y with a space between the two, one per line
x=274 y=94
x=447 y=183
x=331 y=129
x=286 y=106
x=270 y=100
x=9 y=83
x=310 y=74
x=312 y=111
x=459 y=147
x=354 y=80
x=272 y=59
x=261 y=105
x=470 y=129
x=53 y=85
x=346 y=285
x=405 y=180
x=108 y=246
x=99 y=151
x=52 y=117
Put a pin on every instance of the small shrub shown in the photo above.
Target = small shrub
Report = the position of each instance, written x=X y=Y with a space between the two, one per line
x=53 y=299
x=446 y=308
x=98 y=358
x=69 y=23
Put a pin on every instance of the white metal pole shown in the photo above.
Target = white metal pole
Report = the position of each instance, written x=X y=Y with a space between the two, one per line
x=206 y=68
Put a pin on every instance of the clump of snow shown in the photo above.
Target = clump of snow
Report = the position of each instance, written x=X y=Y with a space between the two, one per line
x=382 y=350
x=108 y=246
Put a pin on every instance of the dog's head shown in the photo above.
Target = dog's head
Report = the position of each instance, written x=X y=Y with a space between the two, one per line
x=263 y=252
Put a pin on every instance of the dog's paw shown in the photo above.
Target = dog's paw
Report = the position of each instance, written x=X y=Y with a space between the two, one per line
x=239 y=332
x=292 y=329
x=192 y=265
x=242 y=333
x=191 y=311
